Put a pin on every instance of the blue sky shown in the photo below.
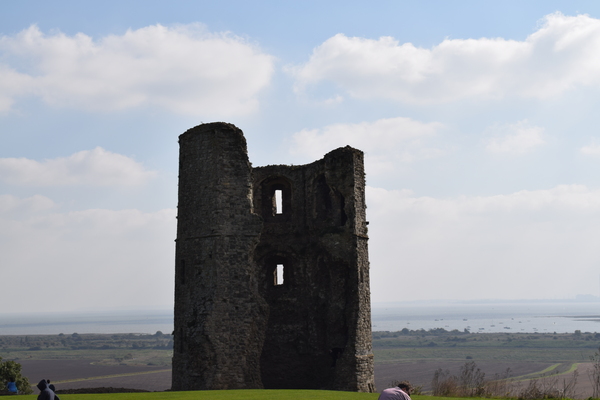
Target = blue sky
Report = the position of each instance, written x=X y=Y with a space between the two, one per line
x=478 y=121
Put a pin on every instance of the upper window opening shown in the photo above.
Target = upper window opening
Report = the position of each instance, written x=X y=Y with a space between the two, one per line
x=275 y=198
x=278 y=199
x=278 y=278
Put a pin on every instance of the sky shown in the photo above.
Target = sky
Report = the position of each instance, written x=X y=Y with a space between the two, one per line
x=478 y=121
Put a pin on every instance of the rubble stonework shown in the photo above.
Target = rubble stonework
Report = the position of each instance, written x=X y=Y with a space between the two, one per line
x=237 y=323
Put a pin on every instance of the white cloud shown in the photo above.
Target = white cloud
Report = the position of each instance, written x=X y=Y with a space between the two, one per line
x=562 y=54
x=10 y=203
x=591 y=149
x=96 y=167
x=385 y=142
x=115 y=258
x=528 y=244
x=183 y=69
x=519 y=138
x=12 y=85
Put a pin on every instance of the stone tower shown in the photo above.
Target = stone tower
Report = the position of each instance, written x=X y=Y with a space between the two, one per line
x=272 y=270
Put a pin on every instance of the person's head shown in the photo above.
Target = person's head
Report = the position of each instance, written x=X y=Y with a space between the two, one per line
x=12 y=379
x=405 y=386
x=42 y=385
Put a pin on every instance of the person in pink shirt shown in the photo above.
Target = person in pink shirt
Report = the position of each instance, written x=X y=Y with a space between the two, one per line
x=402 y=392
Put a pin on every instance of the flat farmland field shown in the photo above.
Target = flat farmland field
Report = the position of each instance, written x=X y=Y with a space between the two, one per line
x=143 y=361
x=88 y=373
x=549 y=358
x=420 y=373
x=75 y=361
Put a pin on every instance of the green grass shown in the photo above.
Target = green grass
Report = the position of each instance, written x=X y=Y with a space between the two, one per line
x=228 y=395
x=238 y=395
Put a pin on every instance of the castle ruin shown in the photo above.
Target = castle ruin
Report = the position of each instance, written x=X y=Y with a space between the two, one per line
x=272 y=270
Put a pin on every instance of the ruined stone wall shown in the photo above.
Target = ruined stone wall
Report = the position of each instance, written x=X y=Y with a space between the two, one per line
x=319 y=328
x=219 y=315
x=235 y=324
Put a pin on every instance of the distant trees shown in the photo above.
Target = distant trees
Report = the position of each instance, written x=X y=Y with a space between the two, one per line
x=77 y=341
x=12 y=370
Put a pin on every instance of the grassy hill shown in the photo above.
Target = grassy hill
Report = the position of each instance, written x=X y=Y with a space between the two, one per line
x=231 y=395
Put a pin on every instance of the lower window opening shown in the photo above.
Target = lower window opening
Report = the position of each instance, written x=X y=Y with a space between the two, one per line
x=278 y=278
x=278 y=201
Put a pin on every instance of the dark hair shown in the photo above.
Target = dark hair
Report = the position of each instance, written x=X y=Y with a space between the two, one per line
x=405 y=385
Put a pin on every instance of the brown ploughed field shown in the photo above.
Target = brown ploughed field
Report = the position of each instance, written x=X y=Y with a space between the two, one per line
x=420 y=373
x=80 y=373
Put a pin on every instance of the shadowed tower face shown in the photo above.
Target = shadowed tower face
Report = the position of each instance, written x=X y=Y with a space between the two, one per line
x=272 y=270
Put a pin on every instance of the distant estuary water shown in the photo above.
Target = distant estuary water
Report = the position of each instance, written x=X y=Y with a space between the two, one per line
x=147 y=321
x=529 y=317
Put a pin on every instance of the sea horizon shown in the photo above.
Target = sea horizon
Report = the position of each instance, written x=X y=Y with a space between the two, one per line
x=526 y=316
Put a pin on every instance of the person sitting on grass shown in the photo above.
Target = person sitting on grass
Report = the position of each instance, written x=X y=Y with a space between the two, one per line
x=402 y=392
x=12 y=386
x=45 y=392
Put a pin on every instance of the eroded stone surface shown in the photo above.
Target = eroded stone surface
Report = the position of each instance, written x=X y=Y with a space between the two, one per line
x=239 y=325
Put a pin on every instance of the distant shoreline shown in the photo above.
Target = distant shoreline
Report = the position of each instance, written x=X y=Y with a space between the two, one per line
x=517 y=316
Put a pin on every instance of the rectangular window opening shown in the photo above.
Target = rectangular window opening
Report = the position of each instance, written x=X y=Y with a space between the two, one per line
x=278 y=201
x=279 y=275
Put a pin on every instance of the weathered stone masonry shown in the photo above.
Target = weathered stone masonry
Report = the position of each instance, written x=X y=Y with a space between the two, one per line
x=272 y=270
